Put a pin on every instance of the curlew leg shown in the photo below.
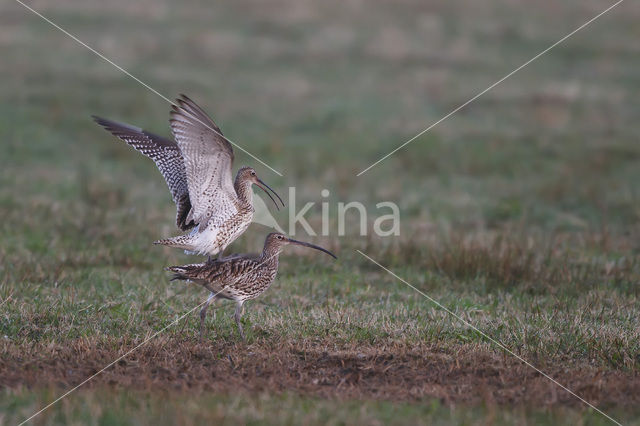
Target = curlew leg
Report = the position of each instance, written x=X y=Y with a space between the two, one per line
x=237 y=316
x=203 y=313
x=220 y=255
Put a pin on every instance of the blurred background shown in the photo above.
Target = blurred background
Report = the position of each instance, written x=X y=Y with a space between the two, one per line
x=532 y=189
x=320 y=90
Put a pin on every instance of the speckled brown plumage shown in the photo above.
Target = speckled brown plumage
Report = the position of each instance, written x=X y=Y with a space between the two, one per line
x=238 y=277
x=197 y=168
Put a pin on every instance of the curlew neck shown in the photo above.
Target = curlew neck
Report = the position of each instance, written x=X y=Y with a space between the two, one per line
x=271 y=253
x=243 y=189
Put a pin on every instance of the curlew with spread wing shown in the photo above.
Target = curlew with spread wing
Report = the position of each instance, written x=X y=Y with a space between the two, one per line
x=197 y=168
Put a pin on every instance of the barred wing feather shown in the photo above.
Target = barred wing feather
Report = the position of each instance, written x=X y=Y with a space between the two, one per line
x=208 y=158
x=166 y=154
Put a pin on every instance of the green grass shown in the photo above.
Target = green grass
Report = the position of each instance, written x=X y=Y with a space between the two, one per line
x=107 y=407
x=520 y=213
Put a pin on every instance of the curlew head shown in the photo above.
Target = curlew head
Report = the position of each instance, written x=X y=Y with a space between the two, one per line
x=248 y=174
x=276 y=241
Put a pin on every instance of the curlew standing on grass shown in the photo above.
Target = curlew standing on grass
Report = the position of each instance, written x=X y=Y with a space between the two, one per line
x=197 y=168
x=239 y=277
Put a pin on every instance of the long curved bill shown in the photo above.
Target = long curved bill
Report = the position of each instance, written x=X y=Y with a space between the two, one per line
x=264 y=187
x=300 y=243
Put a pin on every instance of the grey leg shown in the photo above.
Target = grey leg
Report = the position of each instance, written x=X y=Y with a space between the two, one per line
x=237 y=316
x=203 y=313
x=220 y=255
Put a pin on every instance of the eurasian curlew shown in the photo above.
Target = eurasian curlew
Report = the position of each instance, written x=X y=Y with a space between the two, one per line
x=197 y=169
x=238 y=277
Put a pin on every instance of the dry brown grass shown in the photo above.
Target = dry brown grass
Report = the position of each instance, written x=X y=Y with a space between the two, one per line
x=317 y=367
x=532 y=262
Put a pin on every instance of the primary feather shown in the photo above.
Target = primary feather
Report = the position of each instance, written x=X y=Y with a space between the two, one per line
x=166 y=154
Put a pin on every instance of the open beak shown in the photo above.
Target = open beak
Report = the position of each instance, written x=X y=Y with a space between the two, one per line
x=300 y=243
x=264 y=187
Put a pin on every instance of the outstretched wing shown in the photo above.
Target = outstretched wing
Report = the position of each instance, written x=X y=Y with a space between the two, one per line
x=168 y=158
x=208 y=158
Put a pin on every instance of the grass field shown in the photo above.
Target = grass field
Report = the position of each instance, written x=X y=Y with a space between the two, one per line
x=520 y=213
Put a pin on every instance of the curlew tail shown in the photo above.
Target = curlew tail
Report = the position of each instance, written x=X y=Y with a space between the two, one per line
x=183 y=242
x=207 y=242
x=179 y=272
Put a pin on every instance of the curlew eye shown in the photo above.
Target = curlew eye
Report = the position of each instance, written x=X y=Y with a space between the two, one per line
x=253 y=173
